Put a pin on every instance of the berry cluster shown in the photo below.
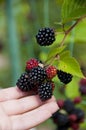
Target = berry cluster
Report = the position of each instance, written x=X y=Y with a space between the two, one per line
x=69 y=116
x=82 y=86
x=37 y=78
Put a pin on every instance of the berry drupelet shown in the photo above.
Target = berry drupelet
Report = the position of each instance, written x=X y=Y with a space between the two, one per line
x=22 y=82
x=45 y=36
x=45 y=91
x=64 y=77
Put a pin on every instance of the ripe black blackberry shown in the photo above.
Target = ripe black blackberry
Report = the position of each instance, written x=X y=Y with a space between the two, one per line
x=45 y=36
x=62 y=119
x=68 y=106
x=22 y=82
x=64 y=77
x=82 y=89
x=36 y=76
x=79 y=113
x=62 y=127
x=45 y=91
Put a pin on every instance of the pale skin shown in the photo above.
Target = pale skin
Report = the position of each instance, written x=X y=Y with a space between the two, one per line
x=18 y=111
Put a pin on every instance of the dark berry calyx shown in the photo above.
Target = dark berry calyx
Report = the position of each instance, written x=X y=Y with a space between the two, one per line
x=45 y=91
x=45 y=36
x=64 y=76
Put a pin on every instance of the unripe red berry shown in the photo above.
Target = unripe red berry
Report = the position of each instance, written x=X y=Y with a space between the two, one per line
x=72 y=117
x=60 y=103
x=77 y=100
x=83 y=82
x=51 y=71
x=30 y=64
x=75 y=126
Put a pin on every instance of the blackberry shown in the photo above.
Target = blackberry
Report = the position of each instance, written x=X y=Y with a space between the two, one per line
x=45 y=91
x=36 y=76
x=51 y=71
x=31 y=64
x=75 y=126
x=45 y=36
x=72 y=117
x=62 y=128
x=82 y=82
x=60 y=103
x=68 y=106
x=77 y=100
x=82 y=89
x=62 y=119
x=64 y=77
x=79 y=113
x=22 y=82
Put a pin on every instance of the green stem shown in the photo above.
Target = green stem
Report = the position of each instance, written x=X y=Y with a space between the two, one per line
x=71 y=44
x=70 y=29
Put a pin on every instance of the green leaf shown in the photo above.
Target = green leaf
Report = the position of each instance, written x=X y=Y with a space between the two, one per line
x=65 y=54
x=73 y=9
x=72 y=89
x=55 y=51
x=69 y=64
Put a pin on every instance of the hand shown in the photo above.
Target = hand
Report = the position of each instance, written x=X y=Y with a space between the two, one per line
x=20 y=112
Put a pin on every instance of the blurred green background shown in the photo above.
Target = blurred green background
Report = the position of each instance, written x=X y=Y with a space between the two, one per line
x=19 y=23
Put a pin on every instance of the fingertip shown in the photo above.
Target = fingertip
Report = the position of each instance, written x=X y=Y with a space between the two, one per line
x=53 y=107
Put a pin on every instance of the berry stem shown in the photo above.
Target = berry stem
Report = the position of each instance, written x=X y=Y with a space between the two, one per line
x=66 y=32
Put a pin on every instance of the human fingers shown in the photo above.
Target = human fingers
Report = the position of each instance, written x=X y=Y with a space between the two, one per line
x=11 y=93
x=14 y=107
x=35 y=117
x=5 y=120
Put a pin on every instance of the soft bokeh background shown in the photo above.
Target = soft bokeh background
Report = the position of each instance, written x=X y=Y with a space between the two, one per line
x=19 y=23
